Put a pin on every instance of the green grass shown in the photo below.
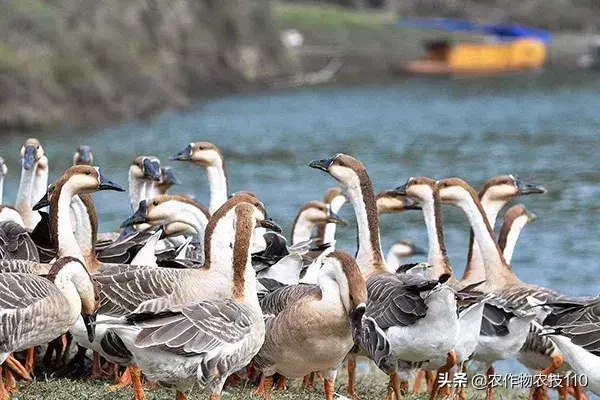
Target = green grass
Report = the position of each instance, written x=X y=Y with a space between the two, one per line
x=370 y=387
x=313 y=15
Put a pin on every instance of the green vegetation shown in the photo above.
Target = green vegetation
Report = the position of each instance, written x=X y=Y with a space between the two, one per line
x=312 y=15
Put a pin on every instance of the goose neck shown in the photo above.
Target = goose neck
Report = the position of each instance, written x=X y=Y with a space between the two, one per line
x=2 y=189
x=217 y=182
x=244 y=280
x=302 y=229
x=40 y=182
x=136 y=190
x=60 y=223
x=334 y=288
x=24 y=195
x=437 y=256
x=508 y=244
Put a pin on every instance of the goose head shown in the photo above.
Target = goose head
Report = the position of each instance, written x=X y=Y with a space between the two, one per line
x=31 y=152
x=3 y=168
x=205 y=154
x=71 y=269
x=505 y=187
x=317 y=213
x=405 y=248
x=83 y=155
x=335 y=198
x=260 y=212
x=86 y=179
x=145 y=168
x=346 y=169
x=455 y=191
x=167 y=180
x=391 y=202
x=342 y=267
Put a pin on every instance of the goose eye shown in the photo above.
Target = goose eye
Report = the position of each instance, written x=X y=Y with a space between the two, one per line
x=155 y=202
x=87 y=172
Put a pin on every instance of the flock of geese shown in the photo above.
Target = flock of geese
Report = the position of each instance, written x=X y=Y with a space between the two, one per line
x=186 y=295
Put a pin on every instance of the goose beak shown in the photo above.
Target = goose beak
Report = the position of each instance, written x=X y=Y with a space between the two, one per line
x=29 y=157
x=400 y=190
x=170 y=177
x=138 y=217
x=268 y=223
x=89 y=320
x=183 y=155
x=85 y=155
x=323 y=165
x=151 y=169
x=44 y=202
x=336 y=219
x=356 y=316
x=529 y=188
x=127 y=232
x=107 y=184
x=418 y=251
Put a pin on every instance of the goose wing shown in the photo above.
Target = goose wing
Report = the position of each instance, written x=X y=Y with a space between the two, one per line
x=19 y=290
x=582 y=326
x=23 y=266
x=397 y=300
x=123 y=251
x=275 y=302
x=15 y=243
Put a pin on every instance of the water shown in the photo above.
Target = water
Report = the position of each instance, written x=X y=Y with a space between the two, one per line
x=544 y=128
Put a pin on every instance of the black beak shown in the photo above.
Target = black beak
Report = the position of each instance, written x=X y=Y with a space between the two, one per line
x=336 y=219
x=356 y=316
x=418 y=251
x=270 y=224
x=183 y=155
x=29 y=157
x=323 y=165
x=529 y=188
x=106 y=184
x=400 y=190
x=90 y=325
x=138 y=217
x=44 y=202
x=170 y=178
x=151 y=169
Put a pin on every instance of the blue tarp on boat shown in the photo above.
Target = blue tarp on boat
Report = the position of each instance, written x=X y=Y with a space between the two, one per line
x=502 y=31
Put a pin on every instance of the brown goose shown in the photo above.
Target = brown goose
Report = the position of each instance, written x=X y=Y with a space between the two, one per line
x=515 y=220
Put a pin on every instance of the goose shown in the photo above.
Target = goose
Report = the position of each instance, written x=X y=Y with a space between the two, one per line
x=426 y=329
x=335 y=199
x=40 y=181
x=494 y=195
x=31 y=152
x=35 y=310
x=515 y=220
x=83 y=155
x=534 y=350
x=167 y=180
x=574 y=328
x=310 y=327
x=210 y=337
x=400 y=250
x=144 y=170
x=7 y=213
x=3 y=173
x=210 y=157
x=311 y=215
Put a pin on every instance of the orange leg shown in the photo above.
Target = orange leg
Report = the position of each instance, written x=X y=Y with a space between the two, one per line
x=394 y=392
x=563 y=389
x=557 y=361
x=489 y=392
x=461 y=392
x=267 y=385
x=281 y=384
x=212 y=397
x=180 y=396
x=232 y=381
x=430 y=380
x=352 y=379
x=136 y=379
x=329 y=389
x=96 y=366
x=3 y=393
x=17 y=368
x=579 y=393
x=450 y=363
x=260 y=390
x=11 y=383
x=30 y=360
x=308 y=382
x=419 y=381
x=124 y=382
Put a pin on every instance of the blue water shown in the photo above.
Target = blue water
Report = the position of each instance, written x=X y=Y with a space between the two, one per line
x=543 y=127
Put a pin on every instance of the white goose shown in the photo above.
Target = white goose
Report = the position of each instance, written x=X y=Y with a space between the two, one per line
x=335 y=199
x=210 y=157
x=423 y=331
x=143 y=172
x=209 y=339
x=31 y=152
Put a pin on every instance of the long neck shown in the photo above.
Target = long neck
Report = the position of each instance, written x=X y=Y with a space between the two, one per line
x=60 y=223
x=302 y=229
x=475 y=271
x=23 y=202
x=2 y=189
x=136 y=191
x=244 y=279
x=40 y=183
x=218 y=186
x=82 y=225
x=497 y=271
x=218 y=244
x=507 y=243
x=334 y=287
x=65 y=284
x=435 y=234
x=392 y=259
x=194 y=218
x=369 y=255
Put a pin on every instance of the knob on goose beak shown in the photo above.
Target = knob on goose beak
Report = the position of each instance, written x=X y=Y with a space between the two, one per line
x=183 y=155
x=151 y=169
x=44 y=202
x=336 y=219
x=107 y=184
x=323 y=164
x=89 y=320
x=138 y=217
x=268 y=223
x=29 y=157
x=528 y=188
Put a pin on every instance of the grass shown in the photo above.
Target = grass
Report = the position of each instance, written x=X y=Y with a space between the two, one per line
x=370 y=387
x=313 y=15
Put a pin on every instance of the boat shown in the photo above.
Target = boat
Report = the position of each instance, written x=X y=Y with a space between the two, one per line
x=505 y=48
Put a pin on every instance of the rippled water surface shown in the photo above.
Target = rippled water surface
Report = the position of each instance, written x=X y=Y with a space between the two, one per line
x=545 y=128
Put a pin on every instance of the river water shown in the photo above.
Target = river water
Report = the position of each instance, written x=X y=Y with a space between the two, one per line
x=546 y=128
